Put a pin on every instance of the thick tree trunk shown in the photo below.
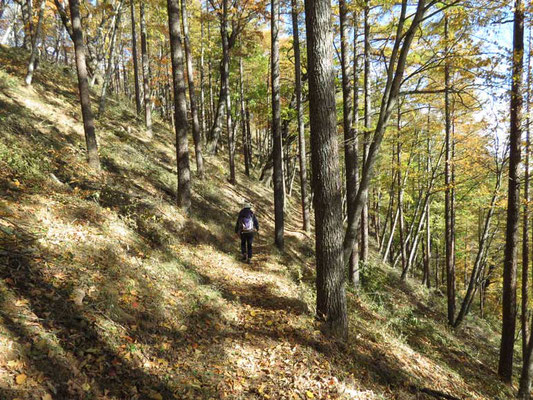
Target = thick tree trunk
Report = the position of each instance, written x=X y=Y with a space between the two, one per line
x=279 y=193
x=180 y=106
x=135 y=59
x=146 y=73
x=83 y=86
x=35 y=45
x=302 y=159
x=196 y=133
x=505 y=367
x=331 y=298
x=111 y=60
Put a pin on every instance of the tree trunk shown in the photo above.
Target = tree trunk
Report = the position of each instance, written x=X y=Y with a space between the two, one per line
x=245 y=142
x=35 y=45
x=27 y=20
x=449 y=229
x=83 y=86
x=227 y=97
x=202 y=80
x=135 y=58
x=416 y=232
x=218 y=114
x=249 y=135
x=505 y=367
x=331 y=298
x=427 y=247
x=395 y=72
x=11 y=26
x=279 y=194
x=350 y=150
x=527 y=342
x=478 y=263
x=366 y=135
x=111 y=60
x=300 y=114
x=146 y=73
x=180 y=107
x=196 y=133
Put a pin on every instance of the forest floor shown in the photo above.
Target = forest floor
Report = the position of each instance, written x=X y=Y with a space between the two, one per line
x=107 y=291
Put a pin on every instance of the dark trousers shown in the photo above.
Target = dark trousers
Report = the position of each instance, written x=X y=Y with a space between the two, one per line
x=246 y=243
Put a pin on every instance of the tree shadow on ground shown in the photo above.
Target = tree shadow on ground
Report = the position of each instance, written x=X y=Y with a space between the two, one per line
x=83 y=355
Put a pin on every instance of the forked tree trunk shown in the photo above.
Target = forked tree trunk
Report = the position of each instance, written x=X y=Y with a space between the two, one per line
x=180 y=106
x=331 y=298
x=505 y=367
x=83 y=86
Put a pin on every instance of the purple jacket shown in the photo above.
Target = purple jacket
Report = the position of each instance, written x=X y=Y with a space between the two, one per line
x=246 y=213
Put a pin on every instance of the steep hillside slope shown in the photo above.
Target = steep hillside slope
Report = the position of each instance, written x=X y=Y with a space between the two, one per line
x=108 y=292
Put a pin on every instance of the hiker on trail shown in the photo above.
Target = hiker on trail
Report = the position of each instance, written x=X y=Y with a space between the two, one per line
x=246 y=227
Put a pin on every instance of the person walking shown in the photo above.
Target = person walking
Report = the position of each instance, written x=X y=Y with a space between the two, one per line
x=246 y=227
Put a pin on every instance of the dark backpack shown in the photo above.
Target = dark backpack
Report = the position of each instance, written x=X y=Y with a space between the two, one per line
x=247 y=223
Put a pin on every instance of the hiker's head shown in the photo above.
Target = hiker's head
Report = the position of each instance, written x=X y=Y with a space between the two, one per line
x=246 y=204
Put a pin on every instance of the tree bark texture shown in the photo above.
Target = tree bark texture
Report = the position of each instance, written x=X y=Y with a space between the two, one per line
x=331 y=298
x=146 y=73
x=366 y=136
x=302 y=159
x=350 y=151
x=35 y=45
x=180 y=107
x=83 y=86
x=135 y=58
x=196 y=132
x=279 y=192
x=505 y=367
